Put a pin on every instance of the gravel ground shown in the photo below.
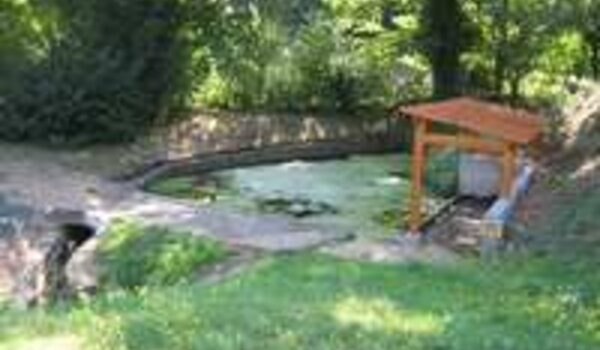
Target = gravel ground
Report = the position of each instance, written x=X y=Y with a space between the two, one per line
x=45 y=180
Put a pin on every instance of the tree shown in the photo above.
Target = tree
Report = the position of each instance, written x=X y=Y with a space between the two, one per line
x=512 y=36
x=107 y=70
x=445 y=35
x=585 y=15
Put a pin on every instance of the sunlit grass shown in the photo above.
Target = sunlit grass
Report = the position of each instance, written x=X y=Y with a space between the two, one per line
x=66 y=342
x=383 y=315
x=316 y=302
x=308 y=301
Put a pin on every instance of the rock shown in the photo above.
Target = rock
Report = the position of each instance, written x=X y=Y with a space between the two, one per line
x=399 y=250
x=467 y=241
x=296 y=207
x=298 y=210
x=35 y=259
x=35 y=249
x=82 y=269
x=60 y=216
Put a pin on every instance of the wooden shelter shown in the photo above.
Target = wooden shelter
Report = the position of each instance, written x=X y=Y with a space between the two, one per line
x=481 y=127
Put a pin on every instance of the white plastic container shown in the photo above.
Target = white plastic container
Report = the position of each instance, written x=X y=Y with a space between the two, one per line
x=479 y=175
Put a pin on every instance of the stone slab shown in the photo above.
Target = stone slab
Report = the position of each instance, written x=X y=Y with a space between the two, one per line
x=259 y=231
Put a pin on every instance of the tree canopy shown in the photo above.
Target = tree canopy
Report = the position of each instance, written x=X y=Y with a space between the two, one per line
x=105 y=70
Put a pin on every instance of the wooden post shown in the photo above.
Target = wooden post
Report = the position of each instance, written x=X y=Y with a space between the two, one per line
x=418 y=166
x=509 y=158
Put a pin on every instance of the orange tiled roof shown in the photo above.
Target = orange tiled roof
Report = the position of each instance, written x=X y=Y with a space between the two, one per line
x=507 y=123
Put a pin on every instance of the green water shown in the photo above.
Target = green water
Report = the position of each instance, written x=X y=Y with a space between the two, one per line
x=369 y=193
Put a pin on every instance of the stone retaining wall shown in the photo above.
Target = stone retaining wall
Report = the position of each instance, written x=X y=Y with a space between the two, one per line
x=214 y=134
x=210 y=132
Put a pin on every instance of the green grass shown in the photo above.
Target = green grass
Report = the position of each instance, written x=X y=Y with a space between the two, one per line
x=578 y=219
x=571 y=235
x=315 y=302
x=133 y=256
x=174 y=186
x=528 y=301
x=185 y=187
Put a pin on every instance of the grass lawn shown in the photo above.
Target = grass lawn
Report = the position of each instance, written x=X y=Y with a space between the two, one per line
x=544 y=299
x=316 y=302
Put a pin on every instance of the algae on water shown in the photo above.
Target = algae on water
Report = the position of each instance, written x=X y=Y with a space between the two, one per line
x=365 y=194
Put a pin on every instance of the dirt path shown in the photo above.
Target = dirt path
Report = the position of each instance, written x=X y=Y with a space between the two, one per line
x=39 y=178
x=43 y=180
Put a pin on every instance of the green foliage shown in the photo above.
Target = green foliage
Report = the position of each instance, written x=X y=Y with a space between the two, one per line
x=80 y=72
x=94 y=70
x=184 y=187
x=134 y=256
x=177 y=186
x=391 y=219
x=441 y=177
x=18 y=40
x=580 y=219
x=582 y=15
x=315 y=302
x=328 y=56
x=574 y=225
x=528 y=49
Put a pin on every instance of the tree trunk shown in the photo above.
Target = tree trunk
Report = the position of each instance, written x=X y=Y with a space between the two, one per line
x=499 y=72
x=515 y=88
x=445 y=74
x=595 y=59
x=442 y=20
x=591 y=38
x=500 y=49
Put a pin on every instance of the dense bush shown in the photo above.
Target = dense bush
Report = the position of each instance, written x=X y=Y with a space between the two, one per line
x=324 y=56
x=98 y=70
x=134 y=256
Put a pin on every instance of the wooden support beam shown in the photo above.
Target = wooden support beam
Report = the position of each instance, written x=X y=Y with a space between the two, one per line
x=465 y=142
x=417 y=173
x=509 y=159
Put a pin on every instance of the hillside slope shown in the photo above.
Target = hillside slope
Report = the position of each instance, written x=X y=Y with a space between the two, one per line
x=563 y=203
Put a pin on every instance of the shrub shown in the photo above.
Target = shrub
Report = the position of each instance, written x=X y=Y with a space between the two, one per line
x=133 y=256
x=107 y=70
x=186 y=187
x=313 y=64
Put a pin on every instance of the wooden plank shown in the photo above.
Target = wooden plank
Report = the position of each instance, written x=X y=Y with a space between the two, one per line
x=465 y=142
x=418 y=168
x=504 y=122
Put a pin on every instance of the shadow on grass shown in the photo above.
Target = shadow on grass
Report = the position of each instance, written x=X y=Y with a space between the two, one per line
x=315 y=302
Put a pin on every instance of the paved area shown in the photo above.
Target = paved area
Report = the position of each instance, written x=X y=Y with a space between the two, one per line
x=261 y=231
x=37 y=179
x=42 y=180
x=405 y=250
